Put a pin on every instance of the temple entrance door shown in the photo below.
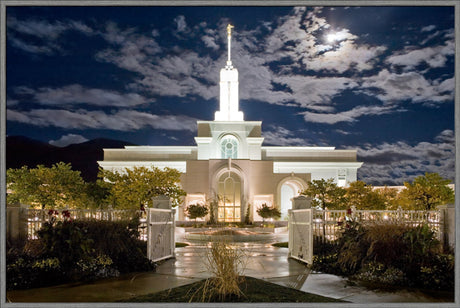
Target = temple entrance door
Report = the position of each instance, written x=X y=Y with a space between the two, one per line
x=229 y=192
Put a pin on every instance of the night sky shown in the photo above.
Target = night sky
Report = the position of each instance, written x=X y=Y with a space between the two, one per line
x=376 y=79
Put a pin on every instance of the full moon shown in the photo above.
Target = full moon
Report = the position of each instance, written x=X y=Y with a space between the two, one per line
x=332 y=37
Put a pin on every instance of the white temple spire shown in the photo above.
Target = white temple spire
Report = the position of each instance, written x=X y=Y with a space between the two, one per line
x=229 y=88
x=229 y=44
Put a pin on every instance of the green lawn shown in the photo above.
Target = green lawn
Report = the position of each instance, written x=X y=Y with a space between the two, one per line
x=254 y=290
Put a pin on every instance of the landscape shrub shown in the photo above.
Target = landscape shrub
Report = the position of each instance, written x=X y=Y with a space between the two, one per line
x=374 y=273
x=389 y=254
x=79 y=250
x=65 y=240
x=120 y=241
x=438 y=274
x=23 y=271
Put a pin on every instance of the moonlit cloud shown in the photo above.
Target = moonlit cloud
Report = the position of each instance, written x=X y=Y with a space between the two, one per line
x=77 y=94
x=347 y=116
x=386 y=162
x=180 y=23
x=124 y=120
x=413 y=56
x=46 y=34
x=278 y=135
x=67 y=140
x=428 y=28
x=38 y=28
x=47 y=49
x=410 y=86
x=348 y=56
x=210 y=42
x=309 y=91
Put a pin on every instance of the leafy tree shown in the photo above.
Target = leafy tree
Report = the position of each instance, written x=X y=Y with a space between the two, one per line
x=268 y=212
x=58 y=186
x=363 y=196
x=389 y=197
x=326 y=194
x=195 y=211
x=98 y=194
x=138 y=185
x=428 y=191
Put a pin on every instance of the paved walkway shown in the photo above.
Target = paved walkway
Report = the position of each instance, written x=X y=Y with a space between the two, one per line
x=263 y=261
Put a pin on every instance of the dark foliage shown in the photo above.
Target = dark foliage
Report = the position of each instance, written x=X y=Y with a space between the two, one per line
x=79 y=250
x=387 y=254
x=120 y=241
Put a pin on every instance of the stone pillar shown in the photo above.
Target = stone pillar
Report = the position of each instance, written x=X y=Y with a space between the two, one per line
x=301 y=202
x=161 y=202
x=16 y=223
x=447 y=221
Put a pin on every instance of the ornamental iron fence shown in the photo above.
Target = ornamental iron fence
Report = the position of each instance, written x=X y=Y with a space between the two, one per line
x=26 y=222
x=328 y=224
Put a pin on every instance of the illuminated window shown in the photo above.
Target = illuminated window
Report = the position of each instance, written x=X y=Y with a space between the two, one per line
x=229 y=147
x=229 y=191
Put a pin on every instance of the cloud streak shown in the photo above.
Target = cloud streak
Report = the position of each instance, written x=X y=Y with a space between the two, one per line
x=46 y=34
x=124 y=120
x=389 y=161
x=279 y=135
x=67 y=140
x=77 y=94
x=347 y=116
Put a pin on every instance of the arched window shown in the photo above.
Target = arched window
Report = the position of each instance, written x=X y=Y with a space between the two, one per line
x=229 y=192
x=289 y=190
x=229 y=147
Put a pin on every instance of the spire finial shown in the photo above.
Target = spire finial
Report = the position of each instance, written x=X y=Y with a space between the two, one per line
x=229 y=38
x=229 y=29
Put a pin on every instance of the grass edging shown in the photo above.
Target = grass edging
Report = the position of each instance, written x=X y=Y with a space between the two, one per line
x=254 y=290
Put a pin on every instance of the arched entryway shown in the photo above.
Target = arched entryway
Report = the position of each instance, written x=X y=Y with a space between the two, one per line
x=229 y=192
x=287 y=189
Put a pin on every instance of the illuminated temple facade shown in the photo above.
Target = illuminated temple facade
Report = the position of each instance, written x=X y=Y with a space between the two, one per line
x=230 y=164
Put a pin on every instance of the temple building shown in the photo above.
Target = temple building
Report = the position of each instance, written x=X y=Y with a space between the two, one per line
x=230 y=164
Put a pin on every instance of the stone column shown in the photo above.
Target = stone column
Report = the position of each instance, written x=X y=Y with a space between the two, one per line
x=16 y=223
x=447 y=221
x=301 y=202
x=161 y=202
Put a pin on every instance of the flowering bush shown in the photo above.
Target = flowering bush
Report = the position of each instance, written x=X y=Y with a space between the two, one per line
x=95 y=268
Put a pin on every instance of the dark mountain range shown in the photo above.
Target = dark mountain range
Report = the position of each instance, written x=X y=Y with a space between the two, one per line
x=23 y=151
